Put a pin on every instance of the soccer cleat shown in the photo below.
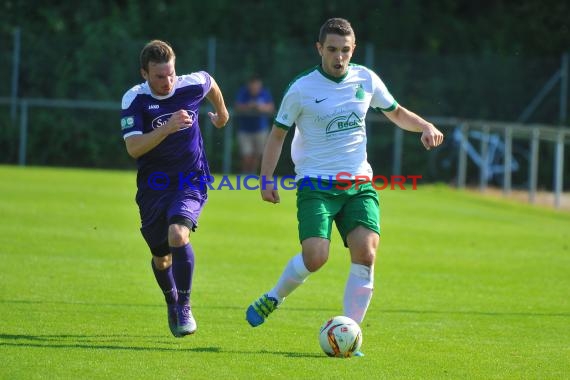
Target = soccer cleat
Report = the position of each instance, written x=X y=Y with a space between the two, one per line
x=172 y=318
x=186 y=322
x=260 y=309
x=358 y=354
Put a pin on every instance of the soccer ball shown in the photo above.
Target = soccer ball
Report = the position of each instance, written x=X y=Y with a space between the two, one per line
x=340 y=337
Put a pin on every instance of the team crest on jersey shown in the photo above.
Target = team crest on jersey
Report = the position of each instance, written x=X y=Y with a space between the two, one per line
x=359 y=92
x=162 y=119
x=344 y=123
x=127 y=122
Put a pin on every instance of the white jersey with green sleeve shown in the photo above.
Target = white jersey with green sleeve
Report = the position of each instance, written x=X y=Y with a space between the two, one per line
x=329 y=113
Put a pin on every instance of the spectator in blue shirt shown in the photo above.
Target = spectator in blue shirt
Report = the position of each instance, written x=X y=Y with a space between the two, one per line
x=255 y=104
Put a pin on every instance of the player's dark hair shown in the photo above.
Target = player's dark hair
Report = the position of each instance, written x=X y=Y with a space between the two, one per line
x=156 y=51
x=338 y=26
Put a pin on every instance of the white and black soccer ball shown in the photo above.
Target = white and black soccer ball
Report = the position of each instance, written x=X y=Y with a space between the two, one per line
x=340 y=337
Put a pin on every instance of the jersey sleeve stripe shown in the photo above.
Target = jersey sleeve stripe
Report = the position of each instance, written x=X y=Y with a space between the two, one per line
x=281 y=125
x=389 y=109
x=132 y=134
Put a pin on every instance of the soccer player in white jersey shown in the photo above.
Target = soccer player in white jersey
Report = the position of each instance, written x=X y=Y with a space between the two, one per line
x=328 y=104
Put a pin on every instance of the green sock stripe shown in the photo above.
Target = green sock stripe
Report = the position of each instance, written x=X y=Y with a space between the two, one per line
x=263 y=306
x=269 y=304
x=261 y=309
x=266 y=310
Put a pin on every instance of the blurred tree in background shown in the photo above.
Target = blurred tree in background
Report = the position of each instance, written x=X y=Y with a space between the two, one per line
x=97 y=43
x=526 y=27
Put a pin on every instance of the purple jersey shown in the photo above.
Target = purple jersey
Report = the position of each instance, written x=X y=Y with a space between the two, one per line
x=179 y=154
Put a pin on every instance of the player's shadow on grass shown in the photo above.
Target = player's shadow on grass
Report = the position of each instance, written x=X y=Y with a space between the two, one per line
x=288 y=354
x=112 y=342
x=94 y=342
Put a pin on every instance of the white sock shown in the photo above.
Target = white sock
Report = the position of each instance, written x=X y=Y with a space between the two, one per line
x=358 y=291
x=295 y=274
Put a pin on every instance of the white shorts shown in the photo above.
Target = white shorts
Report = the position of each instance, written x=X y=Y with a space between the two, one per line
x=252 y=143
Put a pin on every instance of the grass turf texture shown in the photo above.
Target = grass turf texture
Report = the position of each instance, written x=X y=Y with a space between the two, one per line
x=465 y=287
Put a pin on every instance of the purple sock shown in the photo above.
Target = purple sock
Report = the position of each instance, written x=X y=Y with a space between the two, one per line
x=182 y=269
x=166 y=282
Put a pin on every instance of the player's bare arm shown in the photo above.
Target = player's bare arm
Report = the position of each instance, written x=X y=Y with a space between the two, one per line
x=406 y=119
x=269 y=161
x=138 y=145
x=220 y=116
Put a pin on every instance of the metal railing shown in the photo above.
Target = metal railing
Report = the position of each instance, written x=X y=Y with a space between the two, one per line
x=534 y=133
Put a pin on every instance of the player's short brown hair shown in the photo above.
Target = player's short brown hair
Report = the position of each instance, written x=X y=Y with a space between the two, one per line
x=156 y=51
x=338 y=26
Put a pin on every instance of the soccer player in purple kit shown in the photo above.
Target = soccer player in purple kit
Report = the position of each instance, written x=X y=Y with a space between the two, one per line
x=159 y=122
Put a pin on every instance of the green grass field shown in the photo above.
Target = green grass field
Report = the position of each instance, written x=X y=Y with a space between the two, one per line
x=465 y=287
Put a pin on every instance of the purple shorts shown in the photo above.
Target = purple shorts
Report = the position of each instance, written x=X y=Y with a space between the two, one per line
x=158 y=210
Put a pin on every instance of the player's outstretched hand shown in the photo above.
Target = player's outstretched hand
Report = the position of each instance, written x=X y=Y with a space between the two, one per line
x=431 y=137
x=270 y=195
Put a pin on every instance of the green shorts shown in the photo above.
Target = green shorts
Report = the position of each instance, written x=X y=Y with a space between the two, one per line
x=319 y=202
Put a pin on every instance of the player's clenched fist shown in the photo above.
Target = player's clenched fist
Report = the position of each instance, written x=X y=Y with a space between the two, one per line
x=179 y=120
x=431 y=137
x=270 y=195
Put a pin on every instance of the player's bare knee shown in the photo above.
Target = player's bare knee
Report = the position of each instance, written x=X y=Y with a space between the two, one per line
x=365 y=257
x=177 y=240
x=162 y=263
x=315 y=257
x=363 y=244
x=315 y=253
x=178 y=235
x=315 y=261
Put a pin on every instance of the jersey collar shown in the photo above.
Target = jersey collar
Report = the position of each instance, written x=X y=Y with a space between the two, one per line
x=330 y=77
x=161 y=97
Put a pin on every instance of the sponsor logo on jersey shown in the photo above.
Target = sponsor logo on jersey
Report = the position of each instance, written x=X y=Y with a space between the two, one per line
x=163 y=119
x=127 y=122
x=153 y=106
x=344 y=123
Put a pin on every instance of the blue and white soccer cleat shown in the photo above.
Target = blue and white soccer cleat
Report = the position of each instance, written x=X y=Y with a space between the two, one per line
x=172 y=318
x=358 y=354
x=259 y=310
x=186 y=322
